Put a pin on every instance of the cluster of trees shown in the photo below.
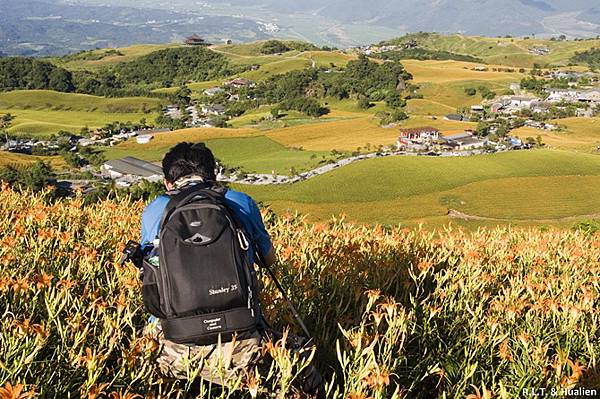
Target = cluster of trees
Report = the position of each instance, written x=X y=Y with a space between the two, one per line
x=485 y=92
x=277 y=46
x=163 y=68
x=29 y=73
x=590 y=57
x=174 y=66
x=426 y=54
x=35 y=177
x=362 y=79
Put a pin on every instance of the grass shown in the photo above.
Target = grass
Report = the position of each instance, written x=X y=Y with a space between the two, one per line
x=342 y=135
x=128 y=54
x=43 y=123
x=452 y=94
x=451 y=71
x=161 y=143
x=277 y=68
x=57 y=101
x=400 y=189
x=262 y=155
x=20 y=160
x=579 y=134
x=513 y=52
x=44 y=112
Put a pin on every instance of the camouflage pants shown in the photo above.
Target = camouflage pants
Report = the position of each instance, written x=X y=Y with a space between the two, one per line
x=227 y=362
x=218 y=363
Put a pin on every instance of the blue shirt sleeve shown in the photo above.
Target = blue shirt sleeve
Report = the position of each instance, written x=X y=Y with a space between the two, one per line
x=151 y=220
x=249 y=215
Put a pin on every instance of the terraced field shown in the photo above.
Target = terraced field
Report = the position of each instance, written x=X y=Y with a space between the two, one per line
x=18 y=160
x=512 y=52
x=579 y=134
x=43 y=112
x=254 y=154
x=530 y=187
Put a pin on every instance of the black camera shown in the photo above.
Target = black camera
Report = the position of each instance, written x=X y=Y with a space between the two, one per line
x=132 y=252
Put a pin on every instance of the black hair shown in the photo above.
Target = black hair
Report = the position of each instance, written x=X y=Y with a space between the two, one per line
x=187 y=159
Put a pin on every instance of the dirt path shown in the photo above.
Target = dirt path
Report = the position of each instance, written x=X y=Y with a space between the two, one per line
x=454 y=214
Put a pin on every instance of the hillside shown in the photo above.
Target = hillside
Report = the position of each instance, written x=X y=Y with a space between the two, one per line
x=507 y=51
x=401 y=306
x=471 y=192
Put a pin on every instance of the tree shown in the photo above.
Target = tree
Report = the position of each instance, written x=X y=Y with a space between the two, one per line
x=364 y=103
x=395 y=100
x=274 y=47
x=71 y=158
x=470 y=91
x=183 y=96
x=275 y=112
x=61 y=80
x=5 y=123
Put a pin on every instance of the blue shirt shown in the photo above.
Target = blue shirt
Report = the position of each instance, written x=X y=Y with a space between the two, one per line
x=243 y=207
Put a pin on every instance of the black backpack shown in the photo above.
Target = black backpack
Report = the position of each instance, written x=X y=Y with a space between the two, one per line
x=203 y=285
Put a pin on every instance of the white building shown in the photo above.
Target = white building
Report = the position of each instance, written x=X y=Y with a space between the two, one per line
x=560 y=95
x=144 y=138
x=129 y=169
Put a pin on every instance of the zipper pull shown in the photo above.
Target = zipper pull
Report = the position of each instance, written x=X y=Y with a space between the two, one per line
x=250 y=301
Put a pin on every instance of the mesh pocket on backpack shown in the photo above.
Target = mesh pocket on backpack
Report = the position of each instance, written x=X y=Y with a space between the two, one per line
x=150 y=291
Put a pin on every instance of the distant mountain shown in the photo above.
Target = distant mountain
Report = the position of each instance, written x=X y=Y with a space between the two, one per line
x=34 y=27
x=42 y=27
x=480 y=17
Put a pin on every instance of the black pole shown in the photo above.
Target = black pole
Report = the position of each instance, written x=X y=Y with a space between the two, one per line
x=263 y=264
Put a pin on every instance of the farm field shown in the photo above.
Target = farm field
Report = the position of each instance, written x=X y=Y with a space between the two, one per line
x=513 y=52
x=579 y=134
x=507 y=292
x=161 y=142
x=20 y=160
x=535 y=187
x=451 y=71
x=254 y=154
x=57 y=101
x=43 y=123
x=42 y=112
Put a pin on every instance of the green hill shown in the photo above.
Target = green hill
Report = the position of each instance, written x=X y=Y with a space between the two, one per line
x=514 y=52
x=527 y=186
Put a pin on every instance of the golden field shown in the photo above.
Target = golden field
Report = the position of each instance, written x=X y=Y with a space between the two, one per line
x=396 y=313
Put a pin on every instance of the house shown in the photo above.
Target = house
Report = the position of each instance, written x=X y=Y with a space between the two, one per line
x=464 y=141
x=214 y=91
x=132 y=169
x=417 y=139
x=560 y=95
x=420 y=133
x=541 y=50
x=519 y=102
x=173 y=111
x=515 y=142
x=497 y=107
x=196 y=40
x=477 y=108
x=590 y=96
x=215 y=109
x=454 y=117
x=239 y=82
